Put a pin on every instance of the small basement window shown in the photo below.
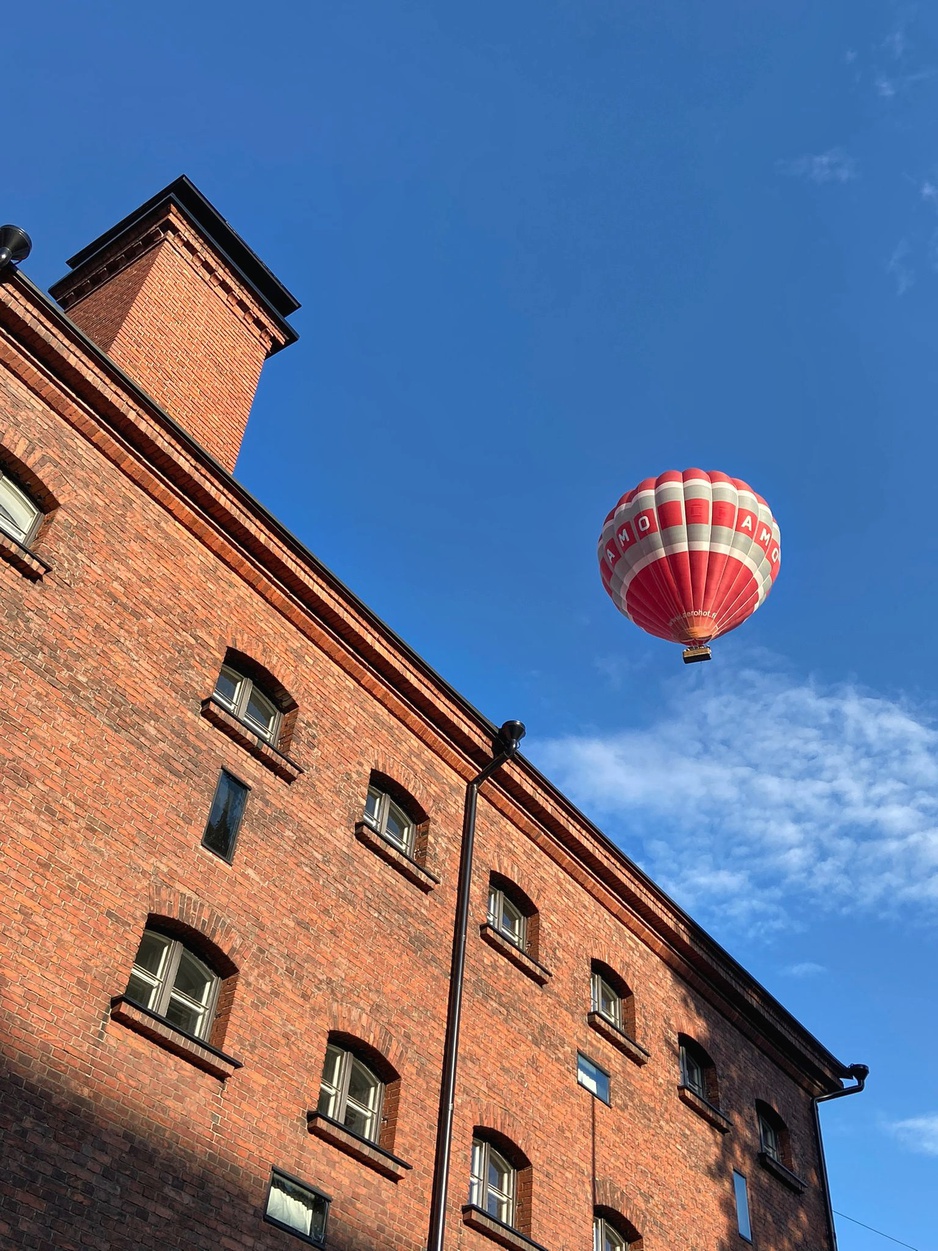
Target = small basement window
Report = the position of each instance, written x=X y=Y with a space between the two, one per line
x=297 y=1208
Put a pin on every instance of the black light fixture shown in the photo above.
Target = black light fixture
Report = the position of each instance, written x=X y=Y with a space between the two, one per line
x=504 y=745
x=15 y=245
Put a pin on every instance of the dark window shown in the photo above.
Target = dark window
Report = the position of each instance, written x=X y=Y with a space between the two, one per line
x=299 y=1209
x=19 y=516
x=225 y=816
x=741 y=1193
x=245 y=699
x=351 y=1093
x=773 y=1134
x=593 y=1078
x=171 y=981
x=698 y=1073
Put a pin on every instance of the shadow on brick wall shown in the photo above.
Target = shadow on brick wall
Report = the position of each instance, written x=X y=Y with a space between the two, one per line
x=74 y=1178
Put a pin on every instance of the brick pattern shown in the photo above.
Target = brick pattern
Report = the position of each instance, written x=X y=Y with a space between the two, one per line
x=107 y=768
x=185 y=327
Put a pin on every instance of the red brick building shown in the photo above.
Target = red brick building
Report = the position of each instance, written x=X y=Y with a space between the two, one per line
x=232 y=803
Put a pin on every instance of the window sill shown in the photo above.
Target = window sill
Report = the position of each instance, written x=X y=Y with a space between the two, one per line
x=358 y=1148
x=396 y=858
x=159 y=1031
x=21 y=558
x=612 y=1034
x=525 y=963
x=784 y=1175
x=245 y=737
x=476 y=1218
x=705 y=1109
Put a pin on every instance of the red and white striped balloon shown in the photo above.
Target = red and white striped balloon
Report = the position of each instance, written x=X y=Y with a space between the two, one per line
x=689 y=556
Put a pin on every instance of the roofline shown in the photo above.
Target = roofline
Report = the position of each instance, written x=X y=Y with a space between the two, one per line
x=488 y=727
x=183 y=193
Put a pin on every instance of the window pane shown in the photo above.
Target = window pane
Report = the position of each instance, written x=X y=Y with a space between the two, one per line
x=141 y=991
x=592 y=1078
x=372 y=805
x=17 y=511
x=363 y=1085
x=228 y=687
x=329 y=1089
x=360 y=1121
x=152 y=953
x=261 y=713
x=398 y=829
x=186 y=1015
x=296 y=1207
x=225 y=816
x=476 y=1185
x=193 y=978
x=694 y=1074
x=770 y=1144
x=499 y=1199
x=742 y=1205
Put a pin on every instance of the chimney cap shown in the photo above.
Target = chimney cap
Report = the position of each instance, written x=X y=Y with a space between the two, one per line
x=227 y=241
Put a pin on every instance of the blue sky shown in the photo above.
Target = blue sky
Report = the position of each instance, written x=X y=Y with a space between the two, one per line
x=544 y=250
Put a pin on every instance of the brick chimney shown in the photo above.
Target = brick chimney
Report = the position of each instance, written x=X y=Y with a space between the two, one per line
x=185 y=308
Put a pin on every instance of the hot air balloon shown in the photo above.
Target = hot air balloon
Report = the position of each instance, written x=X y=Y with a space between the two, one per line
x=689 y=556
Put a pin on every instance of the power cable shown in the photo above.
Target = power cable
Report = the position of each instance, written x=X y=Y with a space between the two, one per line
x=875 y=1231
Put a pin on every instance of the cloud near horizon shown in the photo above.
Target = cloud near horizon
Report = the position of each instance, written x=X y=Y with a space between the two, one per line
x=754 y=797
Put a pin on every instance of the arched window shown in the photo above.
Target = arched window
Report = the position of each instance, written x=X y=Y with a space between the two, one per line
x=512 y=915
x=19 y=515
x=611 y=998
x=351 y=1093
x=500 y=1180
x=698 y=1072
x=246 y=699
x=611 y=1232
x=773 y=1134
x=170 y=980
x=492 y=1183
x=396 y=816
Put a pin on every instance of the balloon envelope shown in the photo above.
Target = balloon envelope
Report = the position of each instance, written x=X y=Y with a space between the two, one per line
x=689 y=556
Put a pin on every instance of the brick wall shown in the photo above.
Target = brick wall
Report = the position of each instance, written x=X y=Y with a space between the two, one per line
x=108 y=770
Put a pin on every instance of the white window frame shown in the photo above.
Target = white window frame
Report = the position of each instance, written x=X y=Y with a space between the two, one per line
x=598 y=984
x=334 y=1099
x=606 y=1237
x=384 y=808
x=162 y=984
x=481 y=1190
x=500 y=902
x=12 y=495
x=247 y=689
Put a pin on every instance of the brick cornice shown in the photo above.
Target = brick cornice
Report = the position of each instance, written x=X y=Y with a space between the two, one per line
x=51 y=356
x=169 y=226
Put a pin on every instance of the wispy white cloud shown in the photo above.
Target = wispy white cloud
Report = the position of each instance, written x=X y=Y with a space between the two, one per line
x=899 y=267
x=835 y=165
x=752 y=797
x=806 y=968
x=918 y=1133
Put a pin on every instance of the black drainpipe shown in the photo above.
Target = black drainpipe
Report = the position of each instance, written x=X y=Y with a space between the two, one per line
x=860 y=1072
x=504 y=746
